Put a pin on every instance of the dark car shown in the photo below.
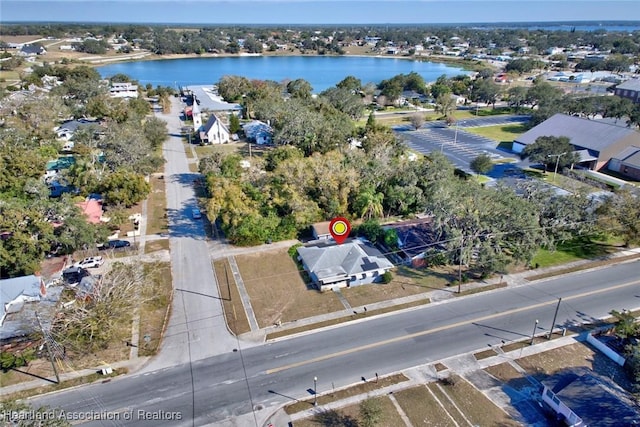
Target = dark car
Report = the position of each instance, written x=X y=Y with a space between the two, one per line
x=73 y=275
x=115 y=244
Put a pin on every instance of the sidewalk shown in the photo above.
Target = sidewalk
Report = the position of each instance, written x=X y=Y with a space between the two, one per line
x=518 y=279
x=463 y=365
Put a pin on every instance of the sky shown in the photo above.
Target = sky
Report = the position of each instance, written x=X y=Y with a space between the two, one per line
x=317 y=11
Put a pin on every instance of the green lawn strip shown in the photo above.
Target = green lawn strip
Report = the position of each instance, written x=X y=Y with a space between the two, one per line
x=501 y=133
x=421 y=408
x=476 y=407
x=389 y=415
x=484 y=354
x=154 y=312
x=340 y=320
x=234 y=313
x=479 y=289
x=573 y=250
x=156 y=207
x=446 y=403
x=362 y=388
x=586 y=266
x=86 y=379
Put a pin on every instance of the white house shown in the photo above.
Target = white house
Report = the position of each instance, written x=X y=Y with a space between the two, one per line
x=123 y=90
x=214 y=132
x=352 y=263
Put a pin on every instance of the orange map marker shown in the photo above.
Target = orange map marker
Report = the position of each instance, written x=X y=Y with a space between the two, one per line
x=339 y=228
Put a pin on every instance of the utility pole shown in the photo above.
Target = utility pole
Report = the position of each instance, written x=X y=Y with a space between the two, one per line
x=553 y=324
x=460 y=264
x=557 y=156
x=46 y=341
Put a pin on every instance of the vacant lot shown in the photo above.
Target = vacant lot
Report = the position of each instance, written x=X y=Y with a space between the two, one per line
x=156 y=206
x=501 y=133
x=231 y=302
x=277 y=290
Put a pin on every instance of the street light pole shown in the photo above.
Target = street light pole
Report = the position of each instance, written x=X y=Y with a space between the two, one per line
x=533 y=334
x=557 y=156
x=315 y=391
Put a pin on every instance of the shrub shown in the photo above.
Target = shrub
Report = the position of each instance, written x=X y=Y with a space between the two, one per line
x=387 y=277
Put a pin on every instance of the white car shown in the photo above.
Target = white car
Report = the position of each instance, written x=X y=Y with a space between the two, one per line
x=91 y=262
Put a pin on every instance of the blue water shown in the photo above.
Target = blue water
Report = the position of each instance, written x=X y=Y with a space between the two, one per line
x=321 y=72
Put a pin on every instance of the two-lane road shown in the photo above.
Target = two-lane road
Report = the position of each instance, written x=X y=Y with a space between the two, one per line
x=225 y=386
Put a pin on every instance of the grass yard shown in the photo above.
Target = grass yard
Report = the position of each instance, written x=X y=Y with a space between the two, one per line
x=230 y=148
x=574 y=250
x=425 y=279
x=277 y=290
x=475 y=406
x=156 y=245
x=422 y=409
x=368 y=294
x=233 y=309
x=156 y=206
x=501 y=133
x=508 y=375
x=155 y=311
x=388 y=418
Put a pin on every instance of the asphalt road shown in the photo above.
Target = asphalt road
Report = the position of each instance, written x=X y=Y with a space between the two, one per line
x=196 y=327
x=219 y=389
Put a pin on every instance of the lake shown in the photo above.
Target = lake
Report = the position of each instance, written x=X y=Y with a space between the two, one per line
x=321 y=72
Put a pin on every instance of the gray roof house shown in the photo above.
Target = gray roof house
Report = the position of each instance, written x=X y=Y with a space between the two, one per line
x=258 y=132
x=32 y=49
x=627 y=162
x=584 y=398
x=214 y=132
x=352 y=263
x=602 y=140
x=629 y=89
x=15 y=292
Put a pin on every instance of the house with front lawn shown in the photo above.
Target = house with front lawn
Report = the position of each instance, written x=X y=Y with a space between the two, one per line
x=214 y=132
x=352 y=263
x=595 y=141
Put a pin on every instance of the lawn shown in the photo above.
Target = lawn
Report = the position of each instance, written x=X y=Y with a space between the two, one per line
x=425 y=279
x=388 y=418
x=230 y=148
x=156 y=206
x=277 y=290
x=422 y=409
x=231 y=302
x=368 y=294
x=574 y=250
x=155 y=310
x=501 y=133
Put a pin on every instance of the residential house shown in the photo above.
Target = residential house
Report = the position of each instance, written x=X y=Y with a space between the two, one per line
x=123 y=90
x=629 y=89
x=15 y=292
x=584 y=398
x=92 y=209
x=414 y=238
x=259 y=132
x=627 y=162
x=66 y=130
x=320 y=230
x=352 y=263
x=32 y=50
x=61 y=163
x=597 y=142
x=214 y=132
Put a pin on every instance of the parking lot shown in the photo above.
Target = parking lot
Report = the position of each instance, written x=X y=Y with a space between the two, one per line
x=458 y=146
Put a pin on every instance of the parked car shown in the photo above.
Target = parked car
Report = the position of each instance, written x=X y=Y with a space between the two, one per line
x=73 y=275
x=195 y=213
x=91 y=262
x=115 y=244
